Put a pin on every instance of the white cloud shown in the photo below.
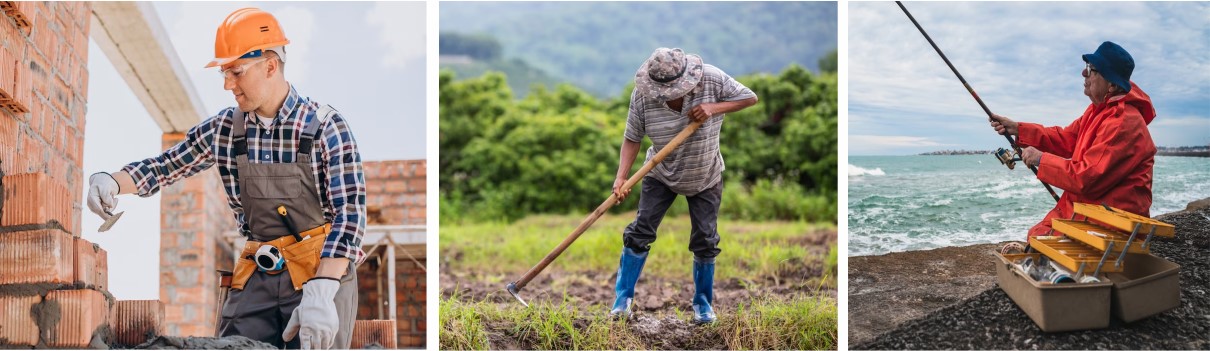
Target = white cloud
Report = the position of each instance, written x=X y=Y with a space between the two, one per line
x=403 y=39
x=1023 y=59
x=892 y=141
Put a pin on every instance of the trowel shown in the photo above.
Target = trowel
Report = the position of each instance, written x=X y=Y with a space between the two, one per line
x=113 y=218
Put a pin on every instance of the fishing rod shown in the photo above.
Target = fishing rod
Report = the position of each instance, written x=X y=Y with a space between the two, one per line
x=1001 y=154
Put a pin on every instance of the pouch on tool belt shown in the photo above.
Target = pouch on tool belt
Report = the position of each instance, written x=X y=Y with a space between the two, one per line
x=244 y=267
x=302 y=259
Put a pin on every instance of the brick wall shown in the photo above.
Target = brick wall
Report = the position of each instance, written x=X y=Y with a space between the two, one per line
x=43 y=90
x=46 y=270
x=193 y=215
x=395 y=191
x=395 y=196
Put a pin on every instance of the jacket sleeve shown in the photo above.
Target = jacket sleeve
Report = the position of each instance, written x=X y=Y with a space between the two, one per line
x=346 y=190
x=186 y=158
x=1118 y=147
x=1060 y=141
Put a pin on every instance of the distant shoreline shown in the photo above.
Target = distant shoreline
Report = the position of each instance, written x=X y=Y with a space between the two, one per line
x=1179 y=152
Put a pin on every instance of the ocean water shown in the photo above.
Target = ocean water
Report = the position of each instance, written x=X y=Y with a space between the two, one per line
x=904 y=203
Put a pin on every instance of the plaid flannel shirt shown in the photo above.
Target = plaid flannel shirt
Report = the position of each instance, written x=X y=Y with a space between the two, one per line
x=335 y=161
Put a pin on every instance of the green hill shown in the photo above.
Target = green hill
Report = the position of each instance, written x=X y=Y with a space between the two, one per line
x=598 y=46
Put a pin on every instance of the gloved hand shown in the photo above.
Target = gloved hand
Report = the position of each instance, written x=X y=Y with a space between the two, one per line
x=315 y=320
x=102 y=194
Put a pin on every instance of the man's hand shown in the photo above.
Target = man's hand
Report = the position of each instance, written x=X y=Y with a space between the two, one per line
x=1004 y=125
x=1031 y=156
x=315 y=320
x=703 y=112
x=102 y=194
x=619 y=191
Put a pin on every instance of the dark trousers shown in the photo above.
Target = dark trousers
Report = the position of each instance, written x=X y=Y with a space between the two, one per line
x=260 y=311
x=703 y=216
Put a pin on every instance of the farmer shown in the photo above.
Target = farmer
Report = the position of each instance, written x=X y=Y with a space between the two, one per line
x=1105 y=156
x=304 y=215
x=672 y=89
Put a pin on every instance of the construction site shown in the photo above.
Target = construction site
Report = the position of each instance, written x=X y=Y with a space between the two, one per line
x=54 y=284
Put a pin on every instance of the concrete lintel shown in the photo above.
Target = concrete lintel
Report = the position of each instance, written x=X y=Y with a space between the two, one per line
x=136 y=43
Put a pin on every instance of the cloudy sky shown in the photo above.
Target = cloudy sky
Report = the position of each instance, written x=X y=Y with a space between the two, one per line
x=365 y=59
x=1023 y=59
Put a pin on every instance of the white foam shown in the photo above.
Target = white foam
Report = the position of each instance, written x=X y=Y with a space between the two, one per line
x=858 y=171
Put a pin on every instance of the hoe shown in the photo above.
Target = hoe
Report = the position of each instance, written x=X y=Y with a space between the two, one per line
x=515 y=287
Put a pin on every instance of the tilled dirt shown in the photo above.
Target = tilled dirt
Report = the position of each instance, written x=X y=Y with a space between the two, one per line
x=654 y=322
x=990 y=320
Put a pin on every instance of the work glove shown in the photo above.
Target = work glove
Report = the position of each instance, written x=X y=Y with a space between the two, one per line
x=314 y=320
x=102 y=194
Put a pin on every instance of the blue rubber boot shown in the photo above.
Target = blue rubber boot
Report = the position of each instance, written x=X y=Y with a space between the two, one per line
x=629 y=268
x=703 y=295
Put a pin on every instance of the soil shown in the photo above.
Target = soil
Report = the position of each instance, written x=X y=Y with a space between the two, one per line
x=990 y=320
x=654 y=322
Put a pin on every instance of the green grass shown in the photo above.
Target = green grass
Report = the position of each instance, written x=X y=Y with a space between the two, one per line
x=499 y=251
x=802 y=323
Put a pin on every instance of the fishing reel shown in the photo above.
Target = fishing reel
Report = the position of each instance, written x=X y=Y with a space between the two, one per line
x=1007 y=157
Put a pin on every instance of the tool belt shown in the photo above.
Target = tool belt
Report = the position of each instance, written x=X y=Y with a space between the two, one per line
x=302 y=258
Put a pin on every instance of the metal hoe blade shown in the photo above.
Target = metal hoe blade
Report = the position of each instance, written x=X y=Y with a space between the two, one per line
x=109 y=222
x=512 y=289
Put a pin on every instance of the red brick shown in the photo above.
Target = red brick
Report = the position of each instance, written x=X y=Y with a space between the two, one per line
x=22 y=90
x=35 y=198
x=92 y=267
x=22 y=13
x=381 y=332
x=17 y=325
x=135 y=321
x=59 y=95
x=80 y=313
x=37 y=256
x=8 y=73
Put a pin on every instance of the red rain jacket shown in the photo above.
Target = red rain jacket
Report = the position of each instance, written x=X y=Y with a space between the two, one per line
x=1105 y=156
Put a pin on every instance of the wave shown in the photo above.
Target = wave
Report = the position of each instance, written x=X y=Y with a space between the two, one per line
x=858 y=171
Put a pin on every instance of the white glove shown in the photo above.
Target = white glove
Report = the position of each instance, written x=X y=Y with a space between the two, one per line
x=102 y=194
x=315 y=320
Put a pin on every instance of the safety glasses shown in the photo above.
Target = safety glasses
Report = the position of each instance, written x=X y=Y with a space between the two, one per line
x=238 y=71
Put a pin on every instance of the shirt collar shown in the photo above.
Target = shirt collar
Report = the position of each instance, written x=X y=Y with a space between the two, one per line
x=287 y=111
x=290 y=105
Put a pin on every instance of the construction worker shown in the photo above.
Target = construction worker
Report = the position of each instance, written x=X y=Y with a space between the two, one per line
x=294 y=284
x=1105 y=156
x=671 y=89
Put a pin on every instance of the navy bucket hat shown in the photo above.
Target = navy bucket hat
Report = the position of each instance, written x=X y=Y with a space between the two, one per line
x=1113 y=63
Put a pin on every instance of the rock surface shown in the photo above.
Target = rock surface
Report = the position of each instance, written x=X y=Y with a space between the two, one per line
x=990 y=320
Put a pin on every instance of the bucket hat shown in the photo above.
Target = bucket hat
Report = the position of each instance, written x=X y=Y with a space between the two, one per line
x=1113 y=63
x=668 y=74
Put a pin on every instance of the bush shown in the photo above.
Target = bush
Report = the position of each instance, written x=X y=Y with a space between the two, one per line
x=556 y=151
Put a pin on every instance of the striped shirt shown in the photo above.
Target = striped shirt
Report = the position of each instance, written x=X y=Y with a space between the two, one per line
x=697 y=164
x=335 y=161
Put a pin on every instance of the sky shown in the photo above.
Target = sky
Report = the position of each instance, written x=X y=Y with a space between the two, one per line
x=1023 y=59
x=365 y=59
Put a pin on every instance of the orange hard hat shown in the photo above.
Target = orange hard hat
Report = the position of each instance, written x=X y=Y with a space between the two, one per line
x=246 y=31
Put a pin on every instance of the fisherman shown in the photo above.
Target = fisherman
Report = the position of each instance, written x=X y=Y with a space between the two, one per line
x=304 y=215
x=1104 y=157
x=671 y=89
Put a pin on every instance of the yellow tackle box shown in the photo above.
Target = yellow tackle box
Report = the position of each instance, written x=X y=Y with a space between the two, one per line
x=1123 y=220
x=1133 y=284
x=1073 y=254
x=1055 y=307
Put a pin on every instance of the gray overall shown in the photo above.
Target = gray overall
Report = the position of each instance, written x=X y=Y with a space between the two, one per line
x=260 y=311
